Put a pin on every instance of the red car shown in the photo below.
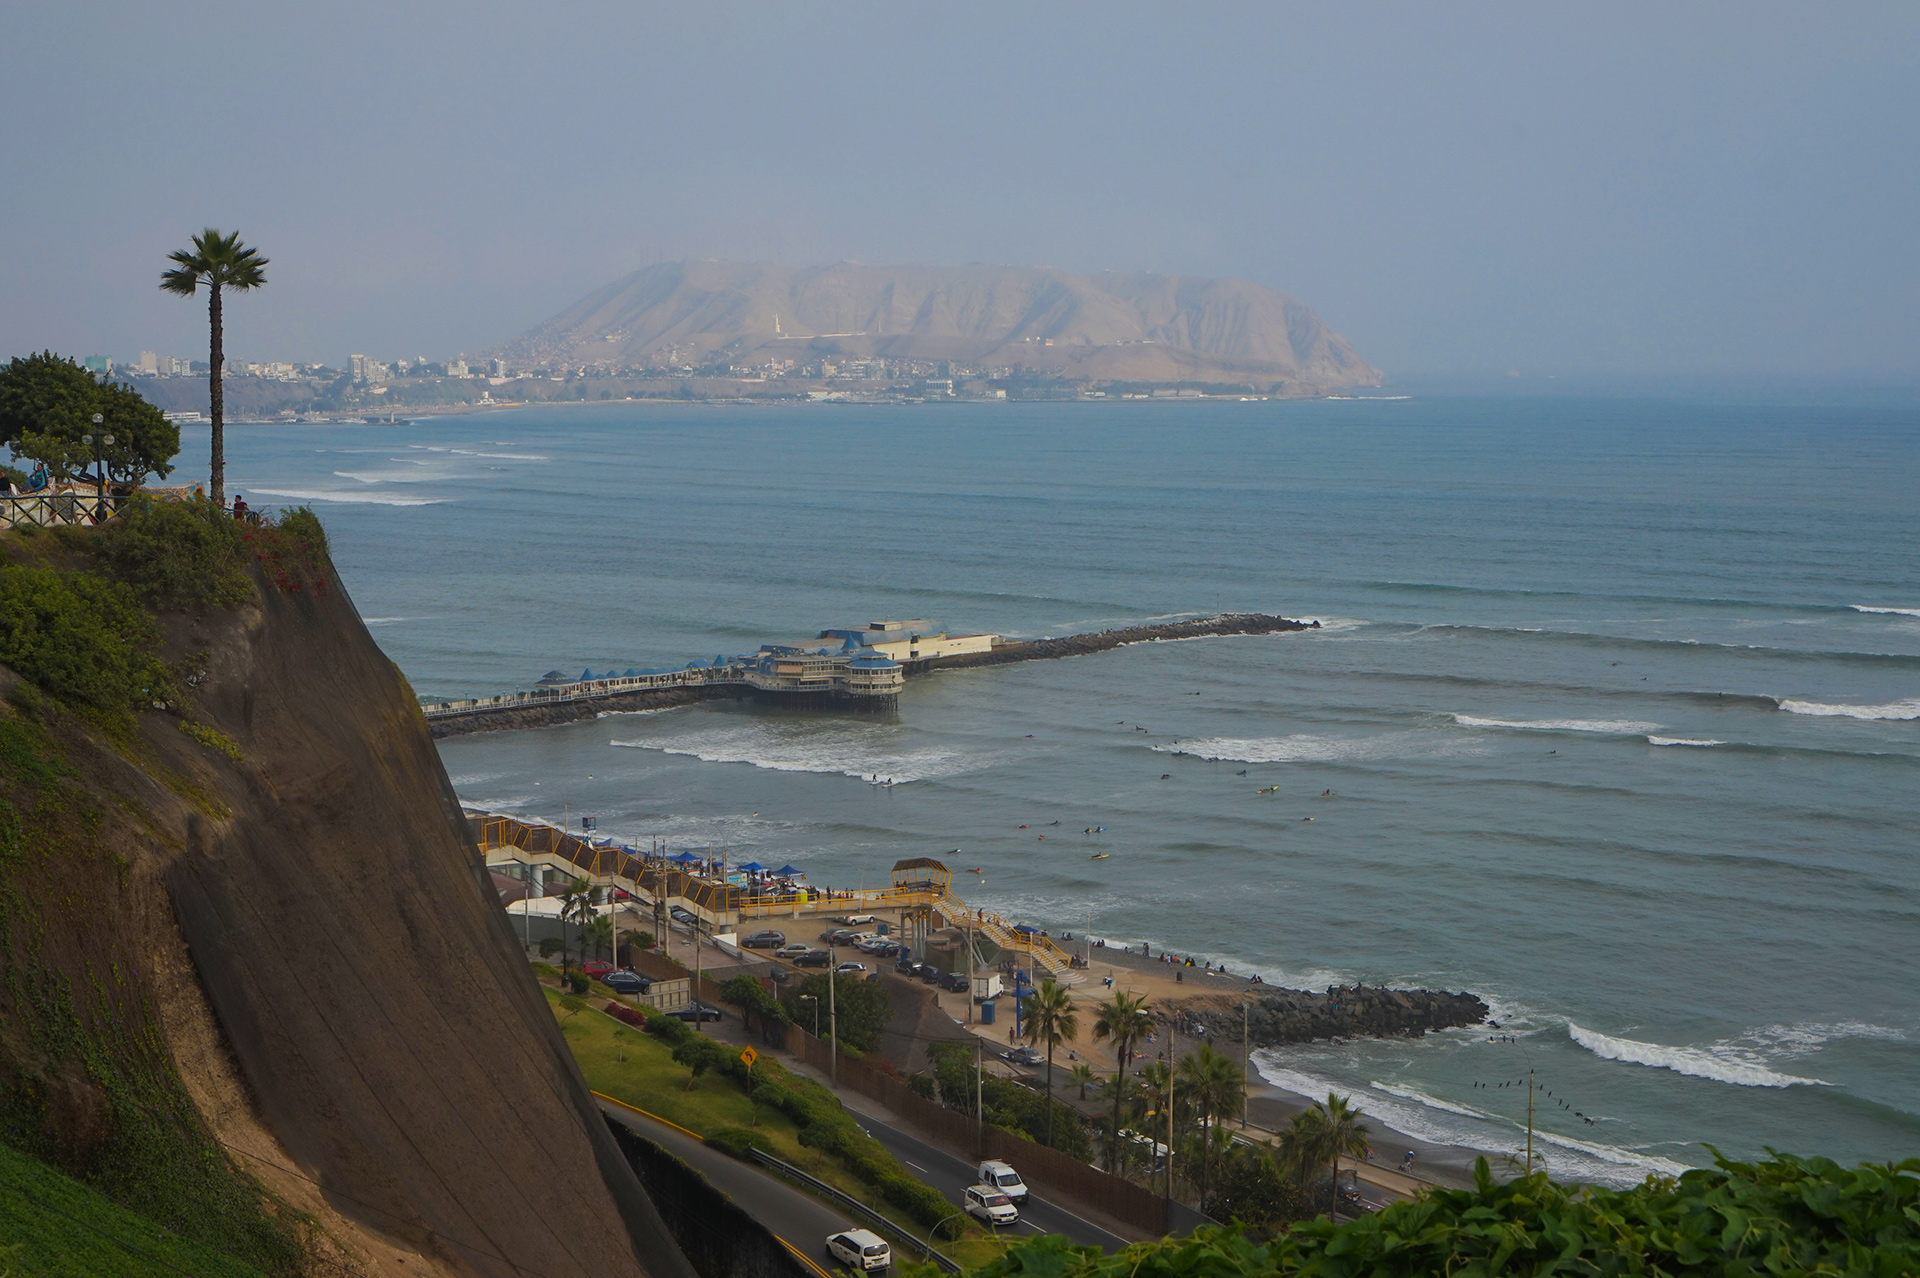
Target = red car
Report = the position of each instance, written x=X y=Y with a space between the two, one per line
x=596 y=969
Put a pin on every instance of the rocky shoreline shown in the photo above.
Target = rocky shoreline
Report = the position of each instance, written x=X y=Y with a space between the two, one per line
x=1279 y=1017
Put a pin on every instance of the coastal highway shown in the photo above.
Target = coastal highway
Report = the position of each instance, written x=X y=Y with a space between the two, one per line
x=951 y=1175
x=797 y=1219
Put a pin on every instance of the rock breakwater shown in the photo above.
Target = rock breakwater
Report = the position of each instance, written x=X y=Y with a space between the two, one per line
x=1247 y=623
x=1282 y=1016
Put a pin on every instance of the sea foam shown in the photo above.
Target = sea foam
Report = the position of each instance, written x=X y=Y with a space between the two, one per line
x=1693 y=1061
x=1311 y=747
x=1909 y=709
x=1899 y=612
x=351 y=499
x=1619 y=727
x=1683 y=741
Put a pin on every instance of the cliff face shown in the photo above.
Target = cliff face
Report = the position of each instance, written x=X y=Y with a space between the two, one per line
x=1109 y=326
x=278 y=938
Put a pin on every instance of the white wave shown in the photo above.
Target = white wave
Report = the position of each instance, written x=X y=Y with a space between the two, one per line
x=1309 y=747
x=1909 y=709
x=1683 y=741
x=1623 y=727
x=389 y=476
x=1337 y=625
x=352 y=499
x=1789 y=1041
x=1414 y=1113
x=1728 y=1065
x=848 y=753
x=383 y=621
x=1901 y=612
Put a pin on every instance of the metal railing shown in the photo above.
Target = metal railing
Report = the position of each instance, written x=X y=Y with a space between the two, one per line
x=858 y=1208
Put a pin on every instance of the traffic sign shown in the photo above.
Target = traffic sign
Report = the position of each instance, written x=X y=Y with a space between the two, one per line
x=748 y=1056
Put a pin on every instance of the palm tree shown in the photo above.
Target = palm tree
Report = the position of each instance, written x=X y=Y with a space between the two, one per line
x=1340 y=1131
x=1051 y=1019
x=1159 y=1093
x=1213 y=1086
x=1124 y=1019
x=1083 y=1075
x=599 y=933
x=217 y=261
x=577 y=903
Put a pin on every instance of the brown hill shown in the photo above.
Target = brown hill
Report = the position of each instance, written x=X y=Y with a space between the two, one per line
x=1107 y=327
x=271 y=951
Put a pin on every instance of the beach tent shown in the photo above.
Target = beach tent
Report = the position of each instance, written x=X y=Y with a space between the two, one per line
x=684 y=857
x=788 y=872
x=751 y=867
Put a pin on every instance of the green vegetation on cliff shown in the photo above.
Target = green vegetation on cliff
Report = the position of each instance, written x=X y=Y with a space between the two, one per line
x=1781 y=1218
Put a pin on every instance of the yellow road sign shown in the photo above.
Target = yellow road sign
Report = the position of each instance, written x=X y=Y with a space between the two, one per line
x=748 y=1056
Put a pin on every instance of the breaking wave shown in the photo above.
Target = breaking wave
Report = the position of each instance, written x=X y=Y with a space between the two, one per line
x=1899 y=612
x=1909 y=709
x=850 y=754
x=1619 y=727
x=351 y=499
x=1311 y=747
x=1725 y=1066
x=1683 y=741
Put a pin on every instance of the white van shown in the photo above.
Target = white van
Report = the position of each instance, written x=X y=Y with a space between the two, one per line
x=860 y=1249
x=1003 y=1178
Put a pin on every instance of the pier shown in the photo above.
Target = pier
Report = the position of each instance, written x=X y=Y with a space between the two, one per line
x=858 y=669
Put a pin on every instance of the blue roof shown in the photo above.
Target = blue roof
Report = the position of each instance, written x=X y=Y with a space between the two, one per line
x=875 y=662
x=719 y=660
x=585 y=675
x=631 y=672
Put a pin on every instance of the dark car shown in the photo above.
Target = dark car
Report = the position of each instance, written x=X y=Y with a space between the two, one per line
x=904 y=964
x=1023 y=1056
x=814 y=958
x=627 y=982
x=696 y=1012
x=954 y=982
x=681 y=914
x=764 y=941
x=840 y=936
x=926 y=972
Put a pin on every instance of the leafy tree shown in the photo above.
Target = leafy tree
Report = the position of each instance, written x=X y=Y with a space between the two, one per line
x=550 y=946
x=598 y=933
x=1125 y=1019
x=634 y=940
x=864 y=1012
x=699 y=1054
x=1253 y=1190
x=217 y=262
x=1051 y=1019
x=47 y=406
x=182 y=554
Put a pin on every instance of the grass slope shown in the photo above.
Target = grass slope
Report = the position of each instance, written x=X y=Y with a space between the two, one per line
x=53 y=1225
x=622 y=1062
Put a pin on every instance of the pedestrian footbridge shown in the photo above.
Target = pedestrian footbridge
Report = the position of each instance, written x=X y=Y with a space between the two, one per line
x=920 y=886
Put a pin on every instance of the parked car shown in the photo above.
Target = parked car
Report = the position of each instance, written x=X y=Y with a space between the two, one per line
x=954 y=982
x=596 y=969
x=696 y=1012
x=988 y=1205
x=764 y=941
x=926 y=972
x=1028 y=1056
x=851 y=969
x=860 y=1249
x=681 y=914
x=856 y=920
x=814 y=958
x=882 y=946
x=904 y=963
x=792 y=950
x=627 y=982
x=778 y=973
x=997 y=1175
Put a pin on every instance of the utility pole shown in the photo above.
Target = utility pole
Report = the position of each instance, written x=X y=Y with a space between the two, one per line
x=1246 y=1063
x=1168 y=1211
x=833 y=1015
x=1529 y=1122
x=699 y=1025
x=969 y=971
x=979 y=1095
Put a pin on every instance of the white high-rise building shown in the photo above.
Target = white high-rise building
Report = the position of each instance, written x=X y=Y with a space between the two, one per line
x=149 y=363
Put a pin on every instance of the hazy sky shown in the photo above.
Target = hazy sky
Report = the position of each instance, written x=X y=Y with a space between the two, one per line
x=1456 y=188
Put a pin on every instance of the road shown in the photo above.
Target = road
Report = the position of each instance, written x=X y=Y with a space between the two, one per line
x=797 y=1219
x=950 y=1176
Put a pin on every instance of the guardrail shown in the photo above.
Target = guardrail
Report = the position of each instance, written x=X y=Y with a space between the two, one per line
x=858 y=1208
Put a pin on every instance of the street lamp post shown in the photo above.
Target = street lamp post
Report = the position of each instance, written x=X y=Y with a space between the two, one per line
x=99 y=443
x=815 y=1000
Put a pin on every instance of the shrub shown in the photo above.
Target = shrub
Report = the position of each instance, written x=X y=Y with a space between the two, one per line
x=579 y=982
x=82 y=639
x=212 y=738
x=180 y=554
x=739 y=1142
x=550 y=946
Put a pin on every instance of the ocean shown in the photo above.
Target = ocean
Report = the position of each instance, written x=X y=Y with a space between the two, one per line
x=1618 y=701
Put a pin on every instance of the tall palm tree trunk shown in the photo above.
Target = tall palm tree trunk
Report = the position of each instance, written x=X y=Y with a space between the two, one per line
x=1049 y=1095
x=216 y=356
x=1119 y=1086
